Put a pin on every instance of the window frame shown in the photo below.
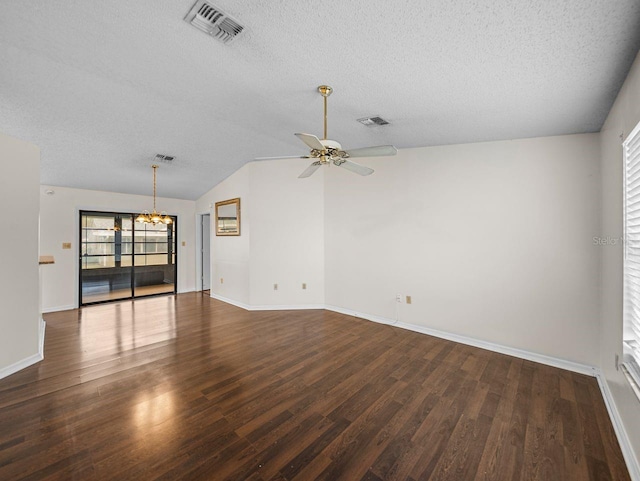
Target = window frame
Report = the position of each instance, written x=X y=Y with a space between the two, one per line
x=631 y=303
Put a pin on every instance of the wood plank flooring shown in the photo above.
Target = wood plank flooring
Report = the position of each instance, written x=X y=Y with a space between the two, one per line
x=187 y=387
x=126 y=293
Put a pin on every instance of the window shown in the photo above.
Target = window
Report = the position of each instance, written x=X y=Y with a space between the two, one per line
x=631 y=334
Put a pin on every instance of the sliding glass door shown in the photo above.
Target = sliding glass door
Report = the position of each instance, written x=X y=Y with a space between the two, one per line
x=154 y=269
x=121 y=259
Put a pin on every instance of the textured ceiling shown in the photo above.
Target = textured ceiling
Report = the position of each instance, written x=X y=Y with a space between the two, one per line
x=101 y=87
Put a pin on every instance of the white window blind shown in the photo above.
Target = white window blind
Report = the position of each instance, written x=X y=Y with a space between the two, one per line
x=631 y=334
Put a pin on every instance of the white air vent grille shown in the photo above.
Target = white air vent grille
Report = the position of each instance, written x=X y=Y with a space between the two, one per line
x=163 y=158
x=213 y=21
x=373 y=121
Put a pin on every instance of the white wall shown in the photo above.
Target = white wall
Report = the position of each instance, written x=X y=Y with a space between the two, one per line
x=59 y=223
x=282 y=237
x=287 y=234
x=19 y=292
x=623 y=117
x=230 y=254
x=492 y=240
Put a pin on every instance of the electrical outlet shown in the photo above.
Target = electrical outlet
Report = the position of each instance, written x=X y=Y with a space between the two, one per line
x=399 y=298
x=66 y=245
x=408 y=298
x=275 y=287
x=304 y=285
x=184 y=243
x=221 y=280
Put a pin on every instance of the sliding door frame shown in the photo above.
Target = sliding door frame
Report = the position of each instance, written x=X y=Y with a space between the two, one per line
x=133 y=296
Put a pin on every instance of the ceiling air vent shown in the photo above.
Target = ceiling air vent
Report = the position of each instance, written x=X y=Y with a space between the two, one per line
x=167 y=159
x=213 y=21
x=373 y=121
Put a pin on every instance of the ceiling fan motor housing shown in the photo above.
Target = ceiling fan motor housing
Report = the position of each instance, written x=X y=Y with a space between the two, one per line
x=331 y=144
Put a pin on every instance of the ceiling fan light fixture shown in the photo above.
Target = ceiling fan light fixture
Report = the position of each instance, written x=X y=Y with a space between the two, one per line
x=326 y=151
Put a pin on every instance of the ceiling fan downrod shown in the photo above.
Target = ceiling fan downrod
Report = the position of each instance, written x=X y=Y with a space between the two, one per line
x=325 y=91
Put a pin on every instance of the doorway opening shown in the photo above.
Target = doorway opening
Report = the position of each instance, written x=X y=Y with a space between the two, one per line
x=205 y=252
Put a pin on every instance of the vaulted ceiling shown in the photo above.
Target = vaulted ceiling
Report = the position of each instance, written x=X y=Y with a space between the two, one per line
x=101 y=87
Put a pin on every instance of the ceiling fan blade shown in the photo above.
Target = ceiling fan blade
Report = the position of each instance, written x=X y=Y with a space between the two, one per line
x=283 y=157
x=311 y=140
x=353 y=167
x=310 y=170
x=380 y=150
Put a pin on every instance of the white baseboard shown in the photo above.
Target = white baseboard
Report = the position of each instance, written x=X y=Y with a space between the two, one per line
x=180 y=291
x=287 y=307
x=29 y=361
x=368 y=317
x=20 y=365
x=46 y=310
x=239 y=304
x=41 y=333
x=511 y=351
x=621 y=433
x=276 y=307
x=490 y=346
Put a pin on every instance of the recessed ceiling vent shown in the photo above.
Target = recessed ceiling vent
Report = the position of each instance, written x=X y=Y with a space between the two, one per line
x=373 y=121
x=167 y=159
x=213 y=21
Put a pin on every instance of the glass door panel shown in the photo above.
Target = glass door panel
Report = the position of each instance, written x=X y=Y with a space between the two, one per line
x=154 y=263
x=103 y=274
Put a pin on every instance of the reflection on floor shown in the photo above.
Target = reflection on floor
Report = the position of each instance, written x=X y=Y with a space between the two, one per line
x=126 y=293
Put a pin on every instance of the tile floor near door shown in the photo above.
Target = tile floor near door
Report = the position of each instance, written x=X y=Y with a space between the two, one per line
x=187 y=387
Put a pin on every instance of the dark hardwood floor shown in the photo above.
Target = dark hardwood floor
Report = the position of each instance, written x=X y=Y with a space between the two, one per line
x=188 y=387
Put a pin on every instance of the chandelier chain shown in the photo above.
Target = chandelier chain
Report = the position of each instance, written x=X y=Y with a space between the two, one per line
x=154 y=217
x=155 y=169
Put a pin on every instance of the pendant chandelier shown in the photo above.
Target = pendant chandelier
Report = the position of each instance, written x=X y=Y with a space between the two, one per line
x=154 y=217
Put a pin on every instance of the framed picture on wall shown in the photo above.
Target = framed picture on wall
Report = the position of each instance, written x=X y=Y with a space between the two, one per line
x=228 y=217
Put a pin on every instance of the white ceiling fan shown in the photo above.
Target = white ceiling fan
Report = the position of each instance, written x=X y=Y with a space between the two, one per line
x=327 y=151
